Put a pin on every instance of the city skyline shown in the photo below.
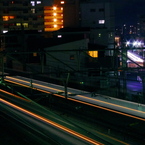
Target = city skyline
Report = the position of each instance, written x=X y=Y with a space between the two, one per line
x=126 y=11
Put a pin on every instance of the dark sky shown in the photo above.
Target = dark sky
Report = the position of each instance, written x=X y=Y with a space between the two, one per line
x=126 y=11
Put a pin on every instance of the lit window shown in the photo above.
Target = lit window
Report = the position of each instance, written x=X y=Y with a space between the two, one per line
x=61 y=8
x=62 y=2
x=34 y=54
x=54 y=20
x=18 y=24
x=54 y=14
x=59 y=36
x=99 y=35
x=93 y=53
x=11 y=17
x=38 y=2
x=6 y=18
x=101 y=21
x=54 y=8
x=5 y=31
x=55 y=26
x=33 y=11
x=25 y=24
x=32 y=3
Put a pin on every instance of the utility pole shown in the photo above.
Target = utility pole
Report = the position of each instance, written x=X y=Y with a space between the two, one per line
x=124 y=65
x=2 y=48
x=65 y=86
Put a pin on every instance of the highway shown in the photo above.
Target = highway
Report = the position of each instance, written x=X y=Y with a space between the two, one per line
x=127 y=108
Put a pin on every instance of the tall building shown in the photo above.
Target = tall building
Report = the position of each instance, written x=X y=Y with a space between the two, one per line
x=53 y=18
x=87 y=13
x=71 y=11
x=21 y=14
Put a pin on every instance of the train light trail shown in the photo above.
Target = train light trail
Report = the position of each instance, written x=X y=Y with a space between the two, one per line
x=65 y=129
x=134 y=57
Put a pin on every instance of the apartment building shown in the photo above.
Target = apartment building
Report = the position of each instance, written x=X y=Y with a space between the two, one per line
x=53 y=18
x=21 y=14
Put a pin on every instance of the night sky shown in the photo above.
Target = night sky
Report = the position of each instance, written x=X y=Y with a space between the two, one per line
x=126 y=11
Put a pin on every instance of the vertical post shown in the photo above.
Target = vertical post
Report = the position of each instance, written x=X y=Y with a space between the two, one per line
x=124 y=65
x=42 y=62
x=65 y=85
x=2 y=64
x=143 y=87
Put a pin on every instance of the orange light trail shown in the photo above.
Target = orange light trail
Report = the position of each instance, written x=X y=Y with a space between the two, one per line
x=14 y=95
x=107 y=109
x=52 y=123
x=139 y=118
x=111 y=104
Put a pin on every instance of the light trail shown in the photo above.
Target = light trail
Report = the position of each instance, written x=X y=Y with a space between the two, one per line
x=17 y=79
x=27 y=82
x=51 y=123
x=88 y=103
x=8 y=93
x=107 y=109
x=134 y=57
x=111 y=104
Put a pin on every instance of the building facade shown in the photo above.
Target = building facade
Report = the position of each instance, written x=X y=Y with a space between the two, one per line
x=53 y=18
x=18 y=15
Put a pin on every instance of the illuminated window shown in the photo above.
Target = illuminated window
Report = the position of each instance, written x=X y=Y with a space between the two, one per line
x=62 y=2
x=55 y=26
x=54 y=20
x=18 y=24
x=11 y=17
x=32 y=3
x=34 y=54
x=61 y=8
x=59 y=36
x=54 y=14
x=54 y=8
x=25 y=25
x=93 y=53
x=33 y=11
x=38 y=2
x=5 y=31
x=101 y=21
x=99 y=35
x=6 y=18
